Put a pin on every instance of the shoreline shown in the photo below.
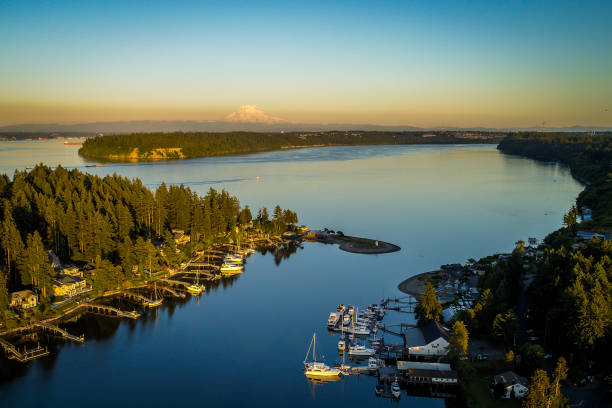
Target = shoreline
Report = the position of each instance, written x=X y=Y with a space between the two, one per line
x=357 y=245
x=415 y=285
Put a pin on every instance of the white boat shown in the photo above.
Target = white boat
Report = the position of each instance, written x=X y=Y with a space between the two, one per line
x=360 y=351
x=361 y=331
x=341 y=345
x=195 y=288
x=372 y=363
x=230 y=269
x=341 y=308
x=333 y=320
x=395 y=388
x=316 y=370
x=346 y=320
x=231 y=259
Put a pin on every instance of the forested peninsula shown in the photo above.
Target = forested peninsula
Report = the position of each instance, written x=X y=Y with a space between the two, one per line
x=115 y=230
x=589 y=158
x=174 y=146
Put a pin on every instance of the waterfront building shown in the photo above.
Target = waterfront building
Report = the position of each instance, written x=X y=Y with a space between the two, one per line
x=66 y=285
x=514 y=385
x=436 y=341
x=23 y=299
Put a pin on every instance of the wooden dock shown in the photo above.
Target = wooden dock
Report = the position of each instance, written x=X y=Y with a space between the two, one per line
x=59 y=332
x=109 y=311
x=25 y=355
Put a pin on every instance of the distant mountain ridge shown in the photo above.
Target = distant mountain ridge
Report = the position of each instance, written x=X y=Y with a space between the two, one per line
x=233 y=126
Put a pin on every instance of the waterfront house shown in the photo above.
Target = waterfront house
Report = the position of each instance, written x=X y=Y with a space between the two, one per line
x=24 y=299
x=66 y=285
x=436 y=341
x=514 y=385
x=589 y=235
x=180 y=238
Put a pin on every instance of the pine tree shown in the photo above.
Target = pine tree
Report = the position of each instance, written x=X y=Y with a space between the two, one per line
x=458 y=340
x=538 y=390
x=429 y=308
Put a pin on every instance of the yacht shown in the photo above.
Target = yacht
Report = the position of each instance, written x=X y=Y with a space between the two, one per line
x=346 y=320
x=341 y=308
x=316 y=370
x=361 y=331
x=341 y=345
x=395 y=388
x=360 y=351
x=230 y=269
x=231 y=259
x=333 y=320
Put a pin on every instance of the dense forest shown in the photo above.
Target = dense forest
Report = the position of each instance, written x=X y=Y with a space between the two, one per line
x=588 y=156
x=113 y=224
x=157 y=146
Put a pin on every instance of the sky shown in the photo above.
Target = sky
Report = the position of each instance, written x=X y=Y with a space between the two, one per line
x=421 y=63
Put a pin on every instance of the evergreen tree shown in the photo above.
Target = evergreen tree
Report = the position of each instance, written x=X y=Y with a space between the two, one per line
x=458 y=340
x=429 y=308
x=538 y=391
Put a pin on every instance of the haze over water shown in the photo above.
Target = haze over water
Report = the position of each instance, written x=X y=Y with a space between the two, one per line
x=244 y=343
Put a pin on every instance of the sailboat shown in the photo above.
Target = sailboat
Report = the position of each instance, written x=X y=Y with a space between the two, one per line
x=157 y=300
x=316 y=370
x=341 y=342
x=196 y=288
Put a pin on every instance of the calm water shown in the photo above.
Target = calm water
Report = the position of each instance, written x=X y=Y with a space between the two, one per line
x=243 y=342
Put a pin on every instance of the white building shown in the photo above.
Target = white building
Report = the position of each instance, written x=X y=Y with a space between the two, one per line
x=514 y=385
x=436 y=341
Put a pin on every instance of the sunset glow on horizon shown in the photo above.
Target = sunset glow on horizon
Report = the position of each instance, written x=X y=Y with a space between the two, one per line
x=424 y=64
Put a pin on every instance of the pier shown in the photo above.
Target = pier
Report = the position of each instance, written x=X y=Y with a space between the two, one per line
x=25 y=355
x=59 y=332
x=109 y=311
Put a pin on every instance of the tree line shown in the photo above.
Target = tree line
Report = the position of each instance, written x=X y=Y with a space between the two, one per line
x=203 y=144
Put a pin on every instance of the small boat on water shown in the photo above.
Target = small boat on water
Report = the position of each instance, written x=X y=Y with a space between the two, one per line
x=195 y=288
x=333 y=320
x=230 y=269
x=395 y=388
x=317 y=370
x=346 y=320
x=359 y=350
x=157 y=300
x=378 y=390
x=341 y=309
x=341 y=345
x=231 y=259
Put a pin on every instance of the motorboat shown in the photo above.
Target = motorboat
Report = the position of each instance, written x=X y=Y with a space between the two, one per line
x=231 y=259
x=333 y=320
x=395 y=388
x=359 y=350
x=361 y=331
x=341 y=308
x=230 y=269
x=346 y=320
x=378 y=390
x=341 y=345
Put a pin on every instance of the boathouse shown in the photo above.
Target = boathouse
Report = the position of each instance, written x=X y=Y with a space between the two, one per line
x=23 y=299
x=436 y=341
x=415 y=373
